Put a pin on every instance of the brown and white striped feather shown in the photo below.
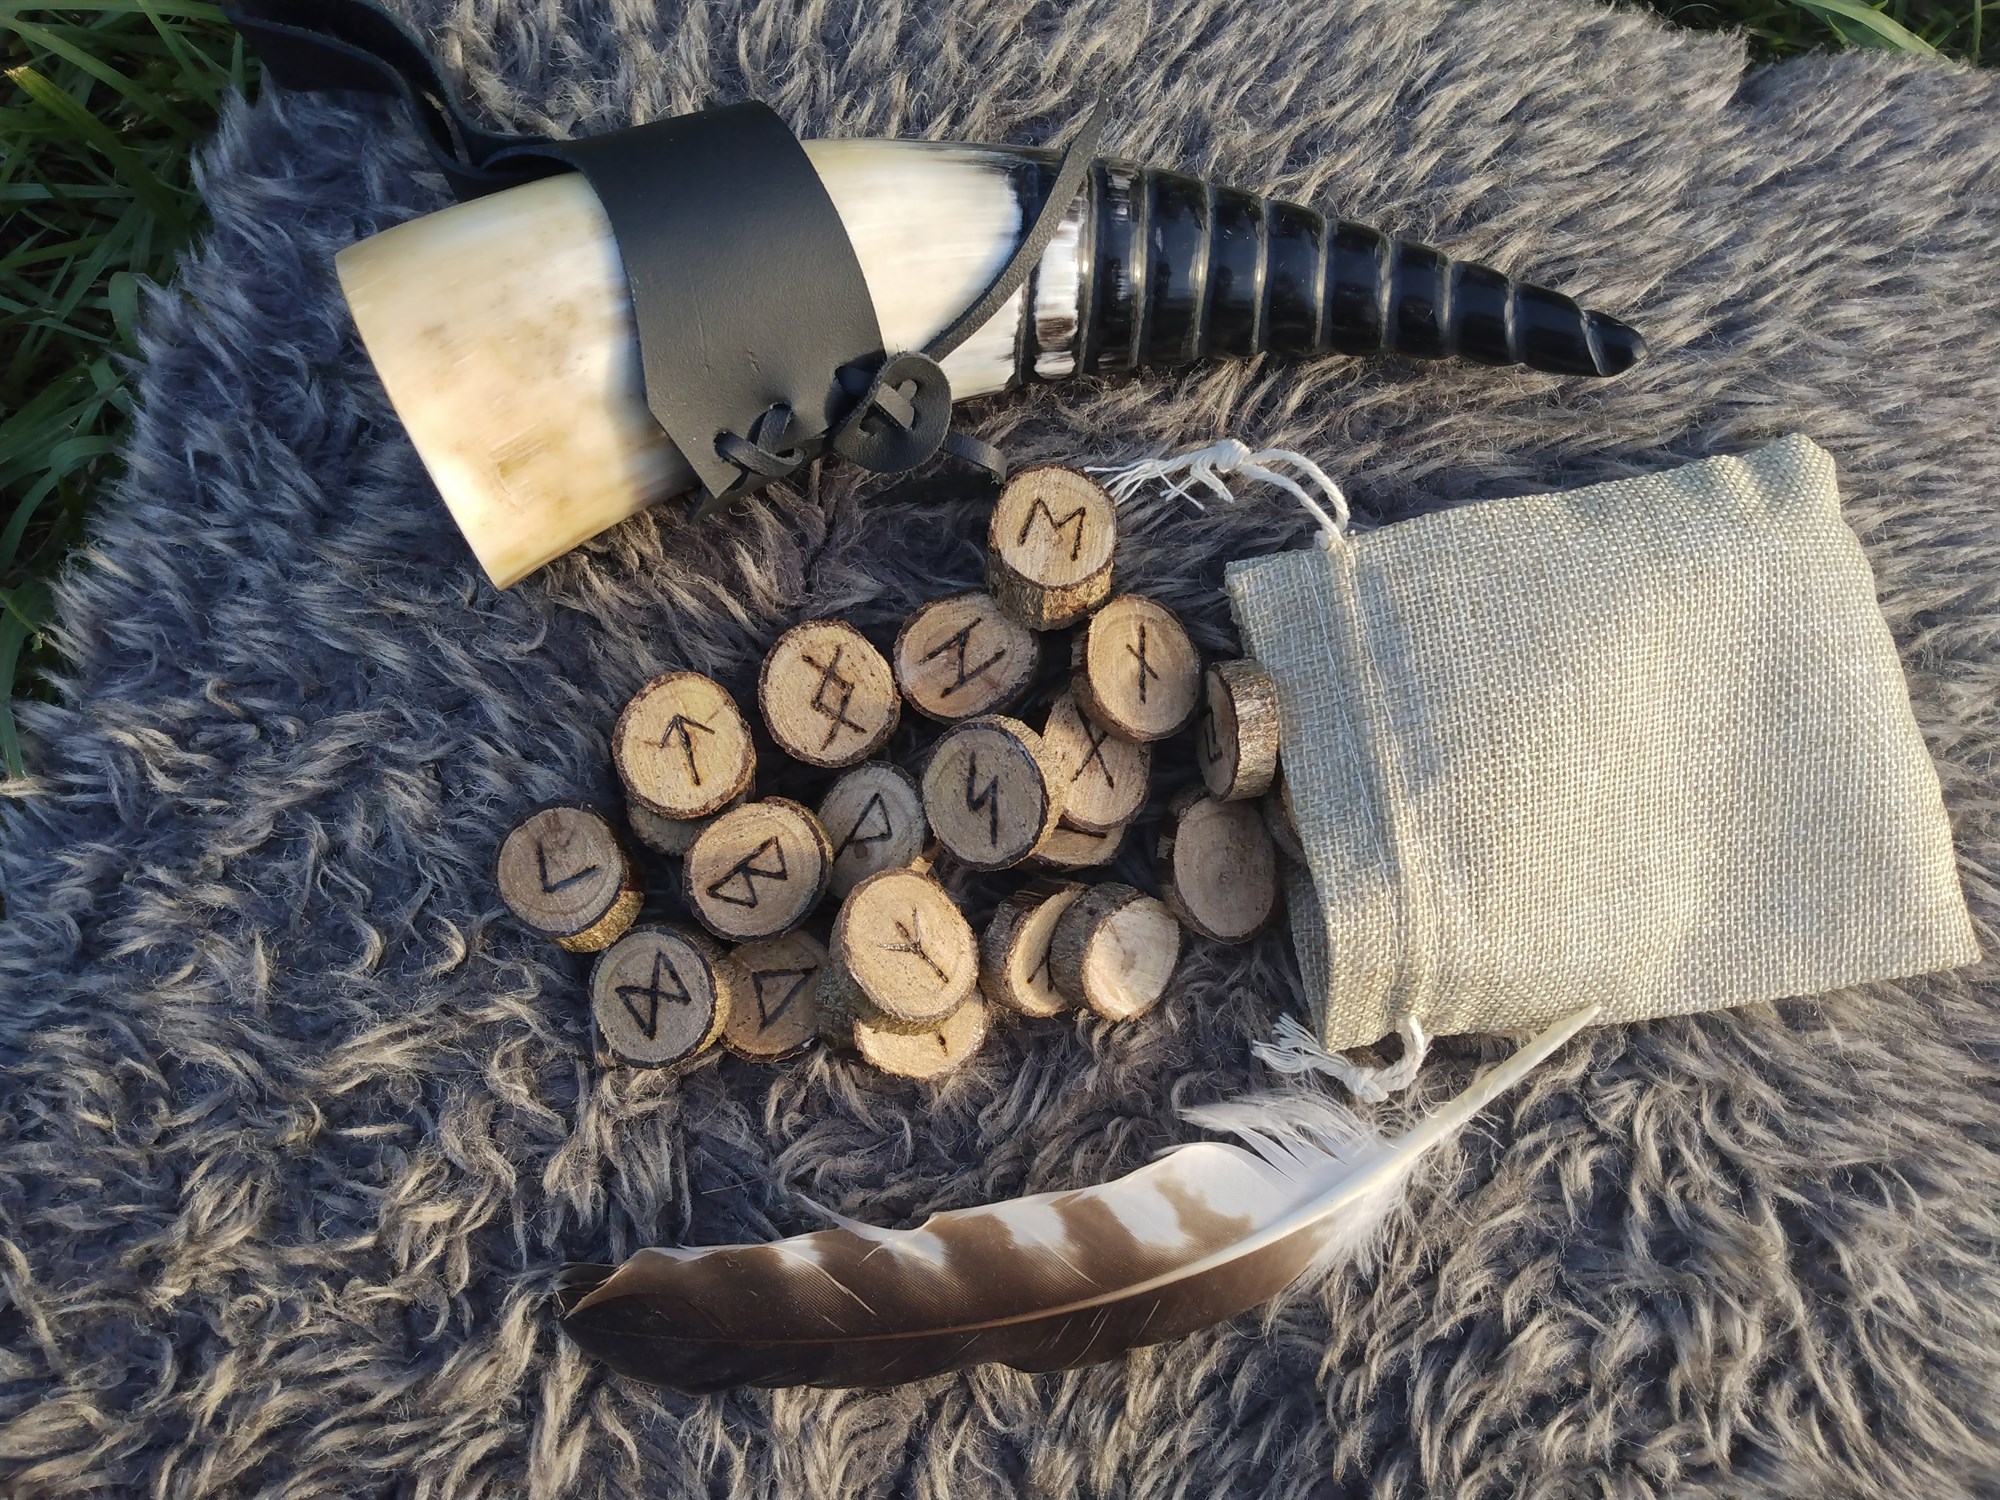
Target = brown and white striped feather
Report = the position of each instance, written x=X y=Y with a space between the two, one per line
x=1046 y=1282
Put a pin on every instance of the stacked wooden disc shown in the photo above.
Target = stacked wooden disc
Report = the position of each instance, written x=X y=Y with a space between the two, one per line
x=901 y=985
x=566 y=876
x=893 y=971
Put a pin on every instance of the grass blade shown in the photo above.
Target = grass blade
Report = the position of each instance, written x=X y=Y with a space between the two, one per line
x=126 y=88
x=130 y=168
x=1868 y=27
x=13 y=636
x=172 y=10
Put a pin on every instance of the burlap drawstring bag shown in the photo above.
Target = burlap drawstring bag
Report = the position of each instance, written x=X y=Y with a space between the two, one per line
x=1645 y=745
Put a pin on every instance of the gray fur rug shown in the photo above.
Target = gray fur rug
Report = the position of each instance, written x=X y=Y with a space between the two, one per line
x=297 y=1124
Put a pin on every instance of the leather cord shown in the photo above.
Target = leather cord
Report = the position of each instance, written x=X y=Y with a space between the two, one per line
x=882 y=423
x=319 y=45
x=1070 y=169
x=746 y=290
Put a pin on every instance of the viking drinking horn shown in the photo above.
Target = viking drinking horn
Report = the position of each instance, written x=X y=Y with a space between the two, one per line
x=511 y=332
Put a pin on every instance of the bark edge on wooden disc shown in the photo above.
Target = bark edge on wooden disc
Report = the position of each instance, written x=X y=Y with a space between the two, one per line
x=1218 y=866
x=1071 y=848
x=906 y=946
x=682 y=747
x=660 y=996
x=564 y=873
x=777 y=1015
x=1015 y=962
x=827 y=695
x=1105 y=778
x=1135 y=670
x=991 y=793
x=1236 y=740
x=1049 y=546
x=874 y=817
x=928 y=1053
x=669 y=836
x=962 y=656
x=1115 y=950
x=758 y=870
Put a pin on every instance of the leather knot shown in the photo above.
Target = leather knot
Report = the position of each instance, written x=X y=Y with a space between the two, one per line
x=762 y=452
x=900 y=416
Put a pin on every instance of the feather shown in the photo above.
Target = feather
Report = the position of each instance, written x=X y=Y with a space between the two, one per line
x=1047 y=1282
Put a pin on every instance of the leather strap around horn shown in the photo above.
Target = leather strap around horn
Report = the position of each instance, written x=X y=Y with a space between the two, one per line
x=746 y=290
x=757 y=334
x=877 y=436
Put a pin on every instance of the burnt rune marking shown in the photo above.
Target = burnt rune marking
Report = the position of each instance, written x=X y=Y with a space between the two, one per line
x=552 y=886
x=856 y=838
x=1048 y=978
x=1211 y=740
x=962 y=643
x=985 y=799
x=652 y=992
x=768 y=1014
x=912 y=935
x=1146 y=668
x=748 y=871
x=834 y=713
x=682 y=725
x=1095 y=737
x=1041 y=508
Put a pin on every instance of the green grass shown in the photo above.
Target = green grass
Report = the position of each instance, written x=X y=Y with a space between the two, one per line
x=1783 y=28
x=101 y=107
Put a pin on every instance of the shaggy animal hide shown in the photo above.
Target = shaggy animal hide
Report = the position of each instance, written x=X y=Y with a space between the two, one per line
x=297 y=1124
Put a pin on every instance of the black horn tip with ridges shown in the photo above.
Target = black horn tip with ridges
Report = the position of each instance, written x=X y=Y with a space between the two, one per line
x=1181 y=270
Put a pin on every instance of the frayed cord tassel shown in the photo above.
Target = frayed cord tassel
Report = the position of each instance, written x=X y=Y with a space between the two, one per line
x=1204 y=467
x=1293 y=1049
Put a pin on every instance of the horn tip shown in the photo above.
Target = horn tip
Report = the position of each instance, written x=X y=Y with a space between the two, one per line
x=1618 y=346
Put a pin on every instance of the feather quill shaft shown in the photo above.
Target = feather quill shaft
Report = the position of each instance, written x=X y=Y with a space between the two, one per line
x=1045 y=1282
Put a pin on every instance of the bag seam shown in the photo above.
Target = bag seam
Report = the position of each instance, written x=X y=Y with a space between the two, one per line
x=1412 y=898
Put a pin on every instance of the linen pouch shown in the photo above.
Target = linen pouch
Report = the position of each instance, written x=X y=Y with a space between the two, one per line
x=1645 y=745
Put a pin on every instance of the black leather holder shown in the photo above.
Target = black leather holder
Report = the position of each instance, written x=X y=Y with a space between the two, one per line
x=757 y=335
x=745 y=288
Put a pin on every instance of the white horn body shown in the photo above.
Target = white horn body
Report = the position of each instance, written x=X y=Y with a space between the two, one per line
x=503 y=331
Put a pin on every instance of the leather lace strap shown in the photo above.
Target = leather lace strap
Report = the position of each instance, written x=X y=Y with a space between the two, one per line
x=320 y=45
x=1075 y=161
x=745 y=288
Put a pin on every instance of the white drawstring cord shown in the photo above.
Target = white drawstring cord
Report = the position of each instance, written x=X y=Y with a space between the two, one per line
x=1295 y=1050
x=1205 y=466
